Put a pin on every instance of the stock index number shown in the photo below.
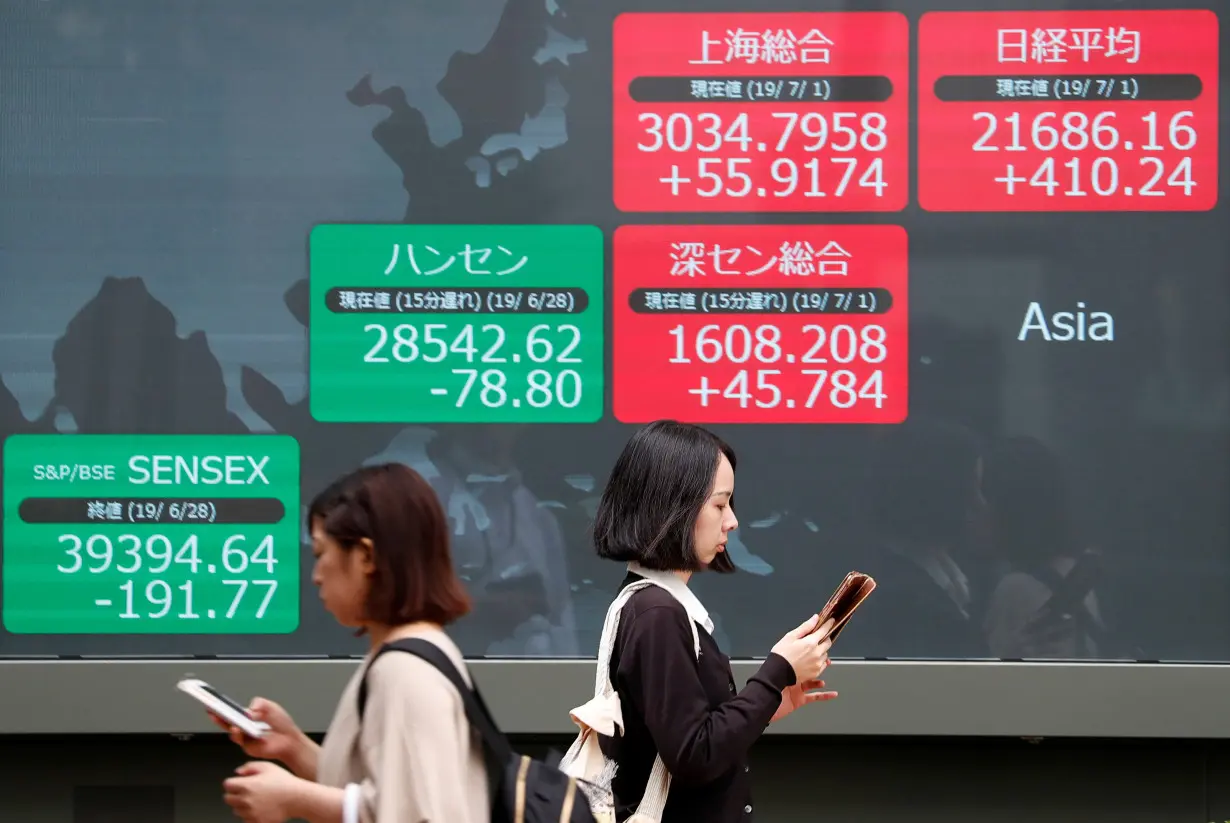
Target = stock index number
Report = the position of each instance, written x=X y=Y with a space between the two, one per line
x=435 y=342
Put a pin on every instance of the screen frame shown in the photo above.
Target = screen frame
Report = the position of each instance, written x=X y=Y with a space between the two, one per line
x=884 y=698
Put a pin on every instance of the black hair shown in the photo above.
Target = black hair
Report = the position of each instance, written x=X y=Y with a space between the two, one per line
x=656 y=491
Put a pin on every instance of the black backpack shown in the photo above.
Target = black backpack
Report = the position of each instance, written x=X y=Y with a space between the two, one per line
x=523 y=790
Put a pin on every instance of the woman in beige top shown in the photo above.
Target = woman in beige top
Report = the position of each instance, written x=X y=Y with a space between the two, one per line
x=383 y=567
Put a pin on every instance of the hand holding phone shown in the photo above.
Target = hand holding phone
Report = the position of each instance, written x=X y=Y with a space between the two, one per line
x=223 y=708
x=264 y=730
x=848 y=597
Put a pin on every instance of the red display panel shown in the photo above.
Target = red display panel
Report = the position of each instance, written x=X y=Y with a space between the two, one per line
x=761 y=324
x=761 y=112
x=1068 y=111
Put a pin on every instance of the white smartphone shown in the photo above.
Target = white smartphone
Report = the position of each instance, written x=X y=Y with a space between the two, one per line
x=223 y=706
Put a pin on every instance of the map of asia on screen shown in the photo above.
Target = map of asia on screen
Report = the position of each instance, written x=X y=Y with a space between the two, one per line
x=952 y=279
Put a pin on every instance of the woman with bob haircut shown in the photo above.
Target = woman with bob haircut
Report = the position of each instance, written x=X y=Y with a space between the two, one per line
x=383 y=567
x=666 y=512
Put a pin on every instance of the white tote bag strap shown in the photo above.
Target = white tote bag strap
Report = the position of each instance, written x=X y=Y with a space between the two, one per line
x=351 y=800
x=653 y=802
x=610 y=630
x=657 y=788
x=581 y=756
x=602 y=712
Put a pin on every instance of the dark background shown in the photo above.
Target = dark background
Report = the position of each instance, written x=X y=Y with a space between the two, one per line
x=161 y=163
x=147 y=779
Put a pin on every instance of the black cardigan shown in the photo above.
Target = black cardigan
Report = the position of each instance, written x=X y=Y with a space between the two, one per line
x=687 y=710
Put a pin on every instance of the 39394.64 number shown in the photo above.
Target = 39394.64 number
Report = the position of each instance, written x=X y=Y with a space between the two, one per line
x=109 y=553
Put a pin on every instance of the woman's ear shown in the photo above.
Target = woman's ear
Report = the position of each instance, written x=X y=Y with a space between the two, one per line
x=366 y=555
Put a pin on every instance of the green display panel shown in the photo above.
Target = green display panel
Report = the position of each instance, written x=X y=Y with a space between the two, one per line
x=456 y=324
x=151 y=534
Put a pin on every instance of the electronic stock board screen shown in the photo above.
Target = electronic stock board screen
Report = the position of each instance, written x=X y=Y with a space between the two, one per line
x=952 y=282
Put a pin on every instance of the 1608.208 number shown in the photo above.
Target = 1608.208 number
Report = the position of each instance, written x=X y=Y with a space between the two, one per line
x=738 y=343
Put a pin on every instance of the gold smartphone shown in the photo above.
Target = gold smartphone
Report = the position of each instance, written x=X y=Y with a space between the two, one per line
x=848 y=597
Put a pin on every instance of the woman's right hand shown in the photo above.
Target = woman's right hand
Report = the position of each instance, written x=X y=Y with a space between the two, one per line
x=284 y=741
x=806 y=648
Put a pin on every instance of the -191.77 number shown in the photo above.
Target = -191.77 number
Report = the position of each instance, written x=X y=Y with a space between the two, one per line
x=159 y=594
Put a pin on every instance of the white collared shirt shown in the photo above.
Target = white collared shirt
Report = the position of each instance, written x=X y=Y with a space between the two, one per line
x=671 y=582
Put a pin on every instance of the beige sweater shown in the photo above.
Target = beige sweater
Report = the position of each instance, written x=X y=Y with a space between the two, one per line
x=415 y=757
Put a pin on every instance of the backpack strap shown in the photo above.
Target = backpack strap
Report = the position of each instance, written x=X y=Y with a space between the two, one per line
x=476 y=709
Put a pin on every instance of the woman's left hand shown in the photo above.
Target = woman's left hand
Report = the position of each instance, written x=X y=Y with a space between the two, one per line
x=261 y=792
x=801 y=694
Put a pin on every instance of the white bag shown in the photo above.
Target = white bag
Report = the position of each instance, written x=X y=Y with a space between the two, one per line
x=603 y=715
x=351 y=800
